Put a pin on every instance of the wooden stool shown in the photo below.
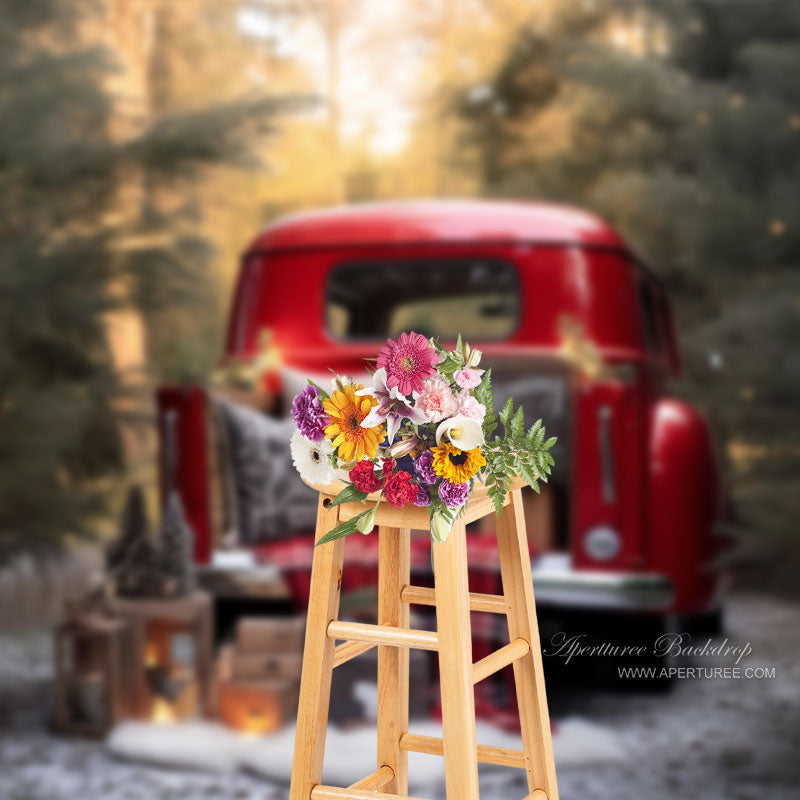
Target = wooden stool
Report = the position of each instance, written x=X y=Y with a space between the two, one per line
x=453 y=603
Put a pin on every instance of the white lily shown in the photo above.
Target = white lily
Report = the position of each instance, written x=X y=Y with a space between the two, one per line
x=463 y=432
x=392 y=407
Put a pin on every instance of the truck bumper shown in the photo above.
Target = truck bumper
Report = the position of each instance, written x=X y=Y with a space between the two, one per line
x=620 y=591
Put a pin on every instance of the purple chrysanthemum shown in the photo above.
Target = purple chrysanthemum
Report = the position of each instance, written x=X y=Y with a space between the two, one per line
x=423 y=466
x=454 y=495
x=309 y=415
x=423 y=497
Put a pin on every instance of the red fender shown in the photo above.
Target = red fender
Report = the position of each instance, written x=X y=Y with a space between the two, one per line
x=683 y=502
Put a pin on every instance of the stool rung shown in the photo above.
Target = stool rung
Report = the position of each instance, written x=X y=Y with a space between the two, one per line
x=344 y=652
x=375 y=781
x=320 y=792
x=512 y=652
x=536 y=794
x=423 y=596
x=383 y=634
x=487 y=754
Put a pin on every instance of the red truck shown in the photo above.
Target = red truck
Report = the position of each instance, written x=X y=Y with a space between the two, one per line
x=572 y=323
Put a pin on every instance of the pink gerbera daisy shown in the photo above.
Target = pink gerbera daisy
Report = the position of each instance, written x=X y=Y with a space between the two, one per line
x=408 y=362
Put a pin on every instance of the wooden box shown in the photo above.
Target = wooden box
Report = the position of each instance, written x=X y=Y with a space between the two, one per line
x=270 y=635
x=266 y=666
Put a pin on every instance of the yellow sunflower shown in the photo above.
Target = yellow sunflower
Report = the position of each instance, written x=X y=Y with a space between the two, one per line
x=457 y=466
x=346 y=412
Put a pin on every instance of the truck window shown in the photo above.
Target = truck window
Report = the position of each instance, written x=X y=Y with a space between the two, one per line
x=477 y=297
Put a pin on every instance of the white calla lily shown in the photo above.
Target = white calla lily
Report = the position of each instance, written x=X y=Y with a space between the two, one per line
x=463 y=432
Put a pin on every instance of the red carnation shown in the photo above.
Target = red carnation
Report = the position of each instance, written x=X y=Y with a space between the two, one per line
x=388 y=467
x=399 y=490
x=364 y=478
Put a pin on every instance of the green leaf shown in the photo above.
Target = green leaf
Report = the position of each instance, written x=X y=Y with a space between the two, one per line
x=533 y=430
x=485 y=395
x=348 y=495
x=527 y=474
x=344 y=529
x=449 y=366
x=498 y=495
x=550 y=442
x=517 y=425
x=322 y=392
x=507 y=411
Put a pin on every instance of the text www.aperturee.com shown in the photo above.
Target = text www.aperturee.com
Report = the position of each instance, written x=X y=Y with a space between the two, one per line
x=696 y=673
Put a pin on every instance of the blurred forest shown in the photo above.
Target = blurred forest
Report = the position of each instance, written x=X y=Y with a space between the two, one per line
x=144 y=142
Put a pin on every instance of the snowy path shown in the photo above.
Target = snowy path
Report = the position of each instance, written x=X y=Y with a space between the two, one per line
x=710 y=739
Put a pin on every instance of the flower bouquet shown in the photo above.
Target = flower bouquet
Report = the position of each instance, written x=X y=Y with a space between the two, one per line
x=423 y=433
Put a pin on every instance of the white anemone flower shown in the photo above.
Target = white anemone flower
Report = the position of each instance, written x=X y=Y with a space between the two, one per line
x=312 y=459
x=463 y=432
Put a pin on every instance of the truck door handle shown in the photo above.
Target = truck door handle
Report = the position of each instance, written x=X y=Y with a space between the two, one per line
x=604 y=414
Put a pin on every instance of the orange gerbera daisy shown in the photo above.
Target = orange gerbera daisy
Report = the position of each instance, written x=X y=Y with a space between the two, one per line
x=347 y=412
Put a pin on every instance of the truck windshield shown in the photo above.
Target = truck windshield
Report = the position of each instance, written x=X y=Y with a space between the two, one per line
x=476 y=297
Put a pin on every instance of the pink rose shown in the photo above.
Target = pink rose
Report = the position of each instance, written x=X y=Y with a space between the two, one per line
x=469 y=407
x=436 y=400
x=467 y=378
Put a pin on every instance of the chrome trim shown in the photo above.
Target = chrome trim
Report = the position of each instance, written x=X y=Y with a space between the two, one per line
x=634 y=591
x=604 y=414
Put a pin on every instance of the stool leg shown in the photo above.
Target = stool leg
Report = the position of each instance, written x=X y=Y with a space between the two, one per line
x=534 y=719
x=455 y=666
x=315 y=683
x=394 y=547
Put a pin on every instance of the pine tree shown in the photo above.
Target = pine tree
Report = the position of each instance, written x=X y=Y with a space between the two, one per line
x=63 y=269
x=679 y=122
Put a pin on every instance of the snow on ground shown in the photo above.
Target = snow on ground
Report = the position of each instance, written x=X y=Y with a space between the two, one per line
x=710 y=739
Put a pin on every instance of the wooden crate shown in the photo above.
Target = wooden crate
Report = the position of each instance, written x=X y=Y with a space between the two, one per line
x=266 y=666
x=270 y=635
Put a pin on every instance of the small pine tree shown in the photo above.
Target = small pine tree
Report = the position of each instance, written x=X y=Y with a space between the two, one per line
x=134 y=527
x=175 y=558
x=140 y=575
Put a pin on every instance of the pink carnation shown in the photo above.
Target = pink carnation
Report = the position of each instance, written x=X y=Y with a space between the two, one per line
x=467 y=378
x=469 y=407
x=437 y=400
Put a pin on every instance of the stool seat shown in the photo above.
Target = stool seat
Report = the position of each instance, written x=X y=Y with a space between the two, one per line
x=451 y=641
